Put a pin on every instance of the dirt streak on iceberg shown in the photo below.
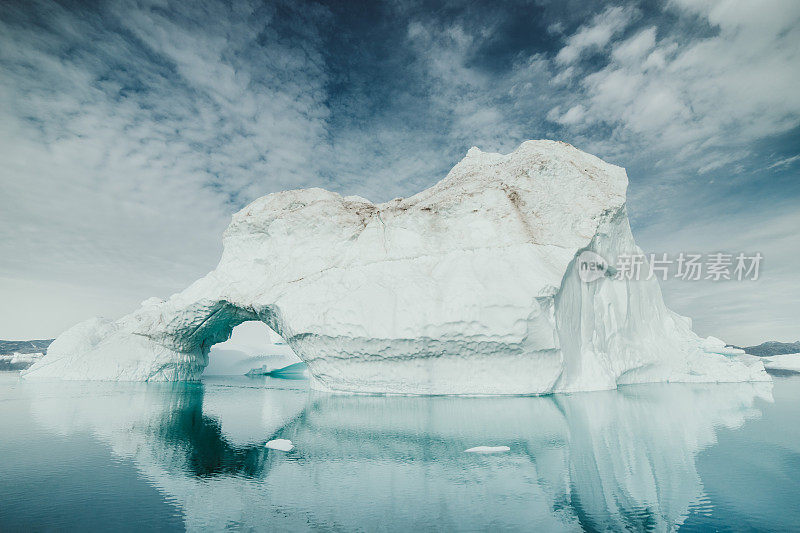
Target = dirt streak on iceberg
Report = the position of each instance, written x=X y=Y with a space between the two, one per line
x=469 y=287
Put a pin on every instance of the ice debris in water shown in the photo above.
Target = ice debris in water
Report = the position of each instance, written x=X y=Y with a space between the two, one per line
x=488 y=449
x=788 y=361
x=282 y=445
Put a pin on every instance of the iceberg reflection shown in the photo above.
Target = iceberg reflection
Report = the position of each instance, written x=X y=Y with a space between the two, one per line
x=605 y=460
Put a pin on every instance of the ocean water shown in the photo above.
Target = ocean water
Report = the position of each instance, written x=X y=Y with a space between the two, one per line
x=124 y=456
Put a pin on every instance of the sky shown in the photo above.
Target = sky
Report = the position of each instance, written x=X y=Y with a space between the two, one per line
x=130 y=132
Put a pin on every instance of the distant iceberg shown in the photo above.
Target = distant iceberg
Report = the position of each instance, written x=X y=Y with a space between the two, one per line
x=293 y=371
x=469 y=287
x=789 y=362
x=19 y=361
x=251 y=347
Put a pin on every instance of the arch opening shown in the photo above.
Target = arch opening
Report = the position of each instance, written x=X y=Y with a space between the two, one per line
x=252 y=347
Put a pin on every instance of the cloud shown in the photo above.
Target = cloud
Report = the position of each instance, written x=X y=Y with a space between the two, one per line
x=467 y=97
x=596 y=34
x=128 y=136
x=574 y=115
x=693 y=96
x=635 y=48
x=785 y=162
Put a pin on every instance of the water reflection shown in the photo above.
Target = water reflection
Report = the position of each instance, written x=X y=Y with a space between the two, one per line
x=607 y=460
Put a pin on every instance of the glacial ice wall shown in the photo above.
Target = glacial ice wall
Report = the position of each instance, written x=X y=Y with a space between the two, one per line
x=468 y=287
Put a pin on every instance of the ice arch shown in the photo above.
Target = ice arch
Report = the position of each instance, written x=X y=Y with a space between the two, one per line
x=163 y=341
x=469 y=286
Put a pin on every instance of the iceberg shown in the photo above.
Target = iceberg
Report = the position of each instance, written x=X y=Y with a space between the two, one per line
x=19 y=361
x=293 y=371
x=469 y=287
x=788 y=362
x=249 y=349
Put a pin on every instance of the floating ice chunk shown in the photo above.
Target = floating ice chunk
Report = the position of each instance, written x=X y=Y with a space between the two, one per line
x=282 y=445
x=787 y=361
x=19 y=361
x=488 y=449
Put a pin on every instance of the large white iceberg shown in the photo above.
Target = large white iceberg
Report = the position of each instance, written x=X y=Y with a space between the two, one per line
x=469 y=287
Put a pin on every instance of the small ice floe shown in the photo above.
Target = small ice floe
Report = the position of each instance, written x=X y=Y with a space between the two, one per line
x=488 y=449
x=282 y=445
x=788 y=362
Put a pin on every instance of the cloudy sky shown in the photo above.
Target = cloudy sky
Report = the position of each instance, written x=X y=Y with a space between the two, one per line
x=131 y=131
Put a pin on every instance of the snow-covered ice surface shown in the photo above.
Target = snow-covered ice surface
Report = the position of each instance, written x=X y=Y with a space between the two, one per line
x=488 y=449
x=469 y=287
x=282 y=445
x=788 y=361
x=715 y=345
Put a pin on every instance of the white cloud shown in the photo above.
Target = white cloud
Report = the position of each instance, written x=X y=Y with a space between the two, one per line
x=596 y=34
x=785 y=162
x=634 y=48
x=720 y=162
x=709 y=93
x=125 y=154
x=463 y=93
x=574 y=115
